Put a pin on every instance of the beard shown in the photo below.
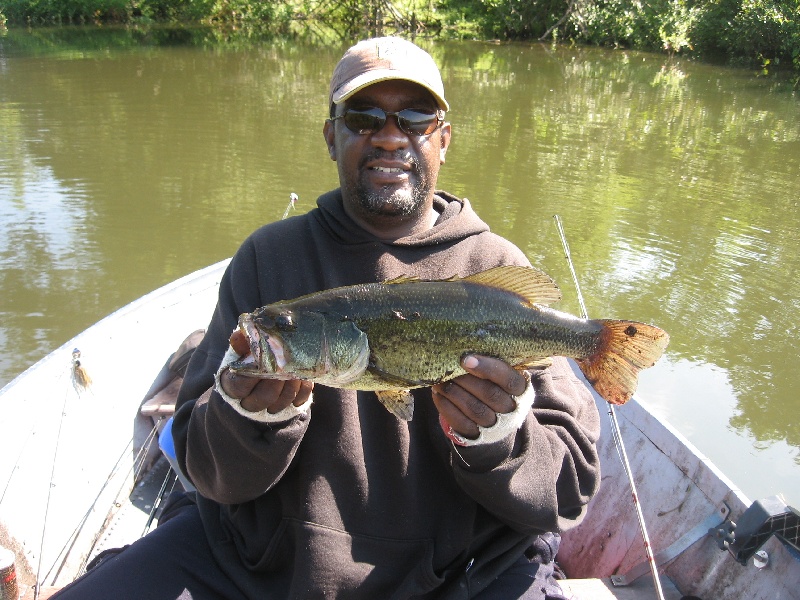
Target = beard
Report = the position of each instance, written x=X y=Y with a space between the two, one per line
x=391 y=201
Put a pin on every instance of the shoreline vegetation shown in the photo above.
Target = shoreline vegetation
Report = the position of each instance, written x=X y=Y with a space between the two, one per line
x=759 y=34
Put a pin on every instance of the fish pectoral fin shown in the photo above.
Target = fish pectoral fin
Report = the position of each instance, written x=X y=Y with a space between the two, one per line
x=536 y=363
x=398 y=402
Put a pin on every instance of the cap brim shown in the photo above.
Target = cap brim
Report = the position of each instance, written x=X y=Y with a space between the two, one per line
x=371 y=77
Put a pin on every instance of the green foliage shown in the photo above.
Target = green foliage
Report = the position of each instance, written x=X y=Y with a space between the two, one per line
x=644 y=24
x=763 y=33
x=750 y=32
x=43 y=12
x=754 y=32
x=519 y=18
x=239 y=11
x=502 y=19
x=714 y=21
x=609 y=22
x=747 y=31
x=64 y=11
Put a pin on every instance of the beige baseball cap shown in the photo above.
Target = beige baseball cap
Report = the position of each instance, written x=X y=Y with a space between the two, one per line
x=383 y=59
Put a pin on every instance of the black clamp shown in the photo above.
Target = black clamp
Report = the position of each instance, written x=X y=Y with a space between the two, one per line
x=764 y=518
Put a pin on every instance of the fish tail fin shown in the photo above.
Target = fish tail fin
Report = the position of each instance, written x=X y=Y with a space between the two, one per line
x=626 y=347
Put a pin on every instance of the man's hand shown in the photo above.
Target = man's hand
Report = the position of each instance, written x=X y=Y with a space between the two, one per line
x=257 y=394
x=475 y=399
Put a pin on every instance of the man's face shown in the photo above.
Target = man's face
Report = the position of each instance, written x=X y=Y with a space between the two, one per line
x=388 y=173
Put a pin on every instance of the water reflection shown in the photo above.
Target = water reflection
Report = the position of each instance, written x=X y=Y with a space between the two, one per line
x=128 y=161
x=678 y=185
x=45 y=249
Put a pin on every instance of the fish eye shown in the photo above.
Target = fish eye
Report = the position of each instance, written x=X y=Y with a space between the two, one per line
x=264 y=321
x=284 y=322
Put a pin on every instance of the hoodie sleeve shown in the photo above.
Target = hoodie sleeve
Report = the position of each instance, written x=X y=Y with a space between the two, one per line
x=541 y=478
x=229 y=458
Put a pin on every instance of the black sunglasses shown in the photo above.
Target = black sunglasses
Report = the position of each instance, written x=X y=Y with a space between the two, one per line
x=411 y=121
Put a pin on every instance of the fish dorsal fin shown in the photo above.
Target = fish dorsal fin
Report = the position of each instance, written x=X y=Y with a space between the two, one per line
x=403 y=279
x=531 y=284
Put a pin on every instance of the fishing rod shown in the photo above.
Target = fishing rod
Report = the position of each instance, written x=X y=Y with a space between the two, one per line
x=291 y=206
x=615 y=430
x=134 y=471
x=37 y=587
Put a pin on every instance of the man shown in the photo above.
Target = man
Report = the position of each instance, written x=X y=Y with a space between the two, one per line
x=307 y=491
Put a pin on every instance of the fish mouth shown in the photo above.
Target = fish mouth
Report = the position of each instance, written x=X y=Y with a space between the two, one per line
x=266 y=358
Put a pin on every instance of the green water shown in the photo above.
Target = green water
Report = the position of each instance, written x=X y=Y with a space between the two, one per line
x=129 y=158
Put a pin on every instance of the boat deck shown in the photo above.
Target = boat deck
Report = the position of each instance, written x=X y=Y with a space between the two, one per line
x=603 y=589
x=136 y=517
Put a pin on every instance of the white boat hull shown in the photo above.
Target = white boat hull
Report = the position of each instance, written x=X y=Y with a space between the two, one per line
x=122 y=354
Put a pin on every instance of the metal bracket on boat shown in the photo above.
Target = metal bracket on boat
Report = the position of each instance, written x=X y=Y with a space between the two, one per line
x=698 y=532
x=771 y=516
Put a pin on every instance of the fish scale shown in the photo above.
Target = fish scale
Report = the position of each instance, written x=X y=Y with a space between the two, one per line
x=405 y=333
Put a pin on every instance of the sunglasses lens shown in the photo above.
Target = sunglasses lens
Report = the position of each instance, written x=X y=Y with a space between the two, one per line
x=364 y=121
x=415 y=122
x=372 y=120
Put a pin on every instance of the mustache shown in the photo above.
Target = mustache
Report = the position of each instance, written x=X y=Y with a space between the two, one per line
x=396 y=155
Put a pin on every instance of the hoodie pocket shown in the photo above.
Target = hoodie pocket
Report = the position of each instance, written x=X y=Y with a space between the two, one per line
x=315 y=561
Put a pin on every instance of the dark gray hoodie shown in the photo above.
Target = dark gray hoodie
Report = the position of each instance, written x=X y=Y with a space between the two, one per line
x=348 y=501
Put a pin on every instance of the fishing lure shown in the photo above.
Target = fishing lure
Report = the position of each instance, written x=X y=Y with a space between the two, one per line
x=80 y=377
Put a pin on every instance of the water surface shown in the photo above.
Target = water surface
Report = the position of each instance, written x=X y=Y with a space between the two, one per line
x=129 y=158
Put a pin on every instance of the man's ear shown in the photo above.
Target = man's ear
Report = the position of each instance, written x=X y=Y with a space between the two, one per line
x=444 y=138
x=328 y=130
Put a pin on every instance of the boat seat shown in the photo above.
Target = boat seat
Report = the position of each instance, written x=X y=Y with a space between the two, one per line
x=159 y=403
x=161 y=408
x=602 y=589
x=160 y=400
x=162 y=404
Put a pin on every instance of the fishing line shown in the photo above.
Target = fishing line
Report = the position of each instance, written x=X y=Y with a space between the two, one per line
x=151 y=517
x=49 y=495
x=615 y=430
x=22 y=454
x=134 y=471
x=69 y=545
x=23 y=447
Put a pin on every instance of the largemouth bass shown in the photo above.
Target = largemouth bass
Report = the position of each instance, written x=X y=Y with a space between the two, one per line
x=408 y=333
